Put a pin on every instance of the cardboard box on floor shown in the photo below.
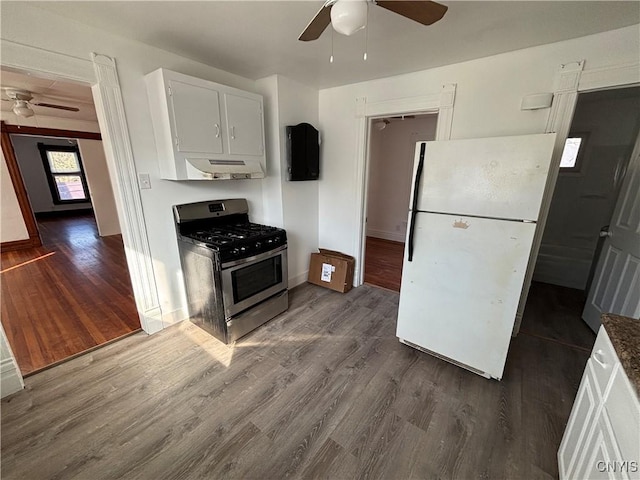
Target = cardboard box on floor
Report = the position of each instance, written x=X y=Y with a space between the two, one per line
x=332 y=270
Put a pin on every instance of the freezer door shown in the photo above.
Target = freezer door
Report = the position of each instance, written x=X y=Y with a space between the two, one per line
x=498 y=177
x=459 y=295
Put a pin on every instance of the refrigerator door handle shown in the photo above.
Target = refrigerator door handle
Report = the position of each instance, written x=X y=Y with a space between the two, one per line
x=414 y=204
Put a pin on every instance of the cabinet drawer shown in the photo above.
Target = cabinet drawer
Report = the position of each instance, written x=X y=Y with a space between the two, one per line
x=603 y=360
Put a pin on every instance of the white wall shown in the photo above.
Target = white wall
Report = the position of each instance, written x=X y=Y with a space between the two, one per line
x=391 y=154
x=102 y=199
x=12 y=226
x=488 y=95
x=583 y=201
x=34 y=175
x=288 y=103
x=134 y=60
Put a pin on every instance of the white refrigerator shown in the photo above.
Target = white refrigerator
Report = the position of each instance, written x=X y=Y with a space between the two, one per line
x=472 y=218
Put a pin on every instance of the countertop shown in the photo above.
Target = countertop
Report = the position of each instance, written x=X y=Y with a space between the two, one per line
x=624 y=333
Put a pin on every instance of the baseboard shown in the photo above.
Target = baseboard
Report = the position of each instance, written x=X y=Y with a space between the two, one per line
x=298 y=279
x=152 y=321
x=10 y=378
x=21 y=244
x=67 y=212
x=177 y=316
x=385 y=235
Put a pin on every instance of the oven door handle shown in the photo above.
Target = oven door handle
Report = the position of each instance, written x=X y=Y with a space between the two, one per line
x=261 y=256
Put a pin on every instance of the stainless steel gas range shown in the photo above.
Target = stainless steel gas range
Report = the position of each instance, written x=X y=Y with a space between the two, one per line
x=235 y=272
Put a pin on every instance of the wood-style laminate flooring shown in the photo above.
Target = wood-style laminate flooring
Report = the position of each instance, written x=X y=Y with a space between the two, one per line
x=383 y=263
x=68 y=296
x=325 y=390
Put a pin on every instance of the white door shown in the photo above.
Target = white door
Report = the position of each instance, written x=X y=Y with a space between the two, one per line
x=616 y=283
x=196 y=118
x=244 y=125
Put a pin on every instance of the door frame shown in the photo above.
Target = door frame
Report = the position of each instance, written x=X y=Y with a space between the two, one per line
x=571 y=79
x=440 y=104
x=101 y=73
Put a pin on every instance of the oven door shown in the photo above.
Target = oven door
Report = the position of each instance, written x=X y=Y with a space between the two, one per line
x=251 y=280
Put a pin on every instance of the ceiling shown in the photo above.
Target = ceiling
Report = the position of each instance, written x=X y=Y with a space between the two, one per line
x=50 y=91
x=256 y=39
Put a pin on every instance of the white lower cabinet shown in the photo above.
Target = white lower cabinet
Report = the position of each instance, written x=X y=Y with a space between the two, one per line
x=602 y=438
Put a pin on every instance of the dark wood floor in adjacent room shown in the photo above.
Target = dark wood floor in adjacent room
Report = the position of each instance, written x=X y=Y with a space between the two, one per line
x=68 y=296
x=325 y=390
x=383 y=263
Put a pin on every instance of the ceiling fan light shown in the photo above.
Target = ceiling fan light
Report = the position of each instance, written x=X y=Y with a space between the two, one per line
x=21 y=108
x=349 y=16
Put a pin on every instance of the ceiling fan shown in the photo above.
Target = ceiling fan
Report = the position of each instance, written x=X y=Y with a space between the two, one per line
x=349 y=16
x=22 y=102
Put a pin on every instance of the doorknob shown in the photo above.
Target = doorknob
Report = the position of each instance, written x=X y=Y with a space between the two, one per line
x=604 y=232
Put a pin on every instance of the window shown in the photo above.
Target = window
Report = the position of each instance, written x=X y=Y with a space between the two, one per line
x=64 y=171
x=573 y=152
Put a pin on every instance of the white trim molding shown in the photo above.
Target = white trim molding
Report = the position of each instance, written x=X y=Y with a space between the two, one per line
x=10 y=378
x=625 y=74
x=440 y=103
x=559 y=121
x=115 y=134
x=101 y=73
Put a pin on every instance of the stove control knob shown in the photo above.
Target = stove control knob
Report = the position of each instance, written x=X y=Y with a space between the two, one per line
x=243 y=249
x=269 y=240
x=235 y=251
x=276 y=239
x=258 y=245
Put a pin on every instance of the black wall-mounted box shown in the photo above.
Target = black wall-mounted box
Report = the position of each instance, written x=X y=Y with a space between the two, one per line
x=303 y=152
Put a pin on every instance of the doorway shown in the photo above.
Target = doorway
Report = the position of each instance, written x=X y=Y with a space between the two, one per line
x=598 y=149
x=72 y=293
x=392 y=142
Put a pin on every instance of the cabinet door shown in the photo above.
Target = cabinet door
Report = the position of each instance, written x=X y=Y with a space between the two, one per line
x=602 y=459
x=244 y=125
x=196 y=118
x=581 y=422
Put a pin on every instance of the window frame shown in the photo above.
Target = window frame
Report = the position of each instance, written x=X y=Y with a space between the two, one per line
x=55 y=194
x=577 y=168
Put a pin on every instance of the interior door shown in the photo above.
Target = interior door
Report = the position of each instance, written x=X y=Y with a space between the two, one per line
x=616 y=282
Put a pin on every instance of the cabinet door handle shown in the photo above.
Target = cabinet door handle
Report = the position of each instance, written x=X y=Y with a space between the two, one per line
x=599 y=357
x=217 y=130
x=233 y=133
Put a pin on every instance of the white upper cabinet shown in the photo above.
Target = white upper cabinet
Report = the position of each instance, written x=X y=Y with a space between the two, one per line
x=196 y=118
x=204 y=130
x=244 y=125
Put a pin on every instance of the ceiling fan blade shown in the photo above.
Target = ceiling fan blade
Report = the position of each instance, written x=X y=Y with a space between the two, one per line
x=59 y=107
x=319 y=23
x=424 y=12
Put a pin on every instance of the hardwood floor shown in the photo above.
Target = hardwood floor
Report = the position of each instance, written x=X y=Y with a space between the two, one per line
x=383 y=263
x=68 y=296
x=325 y=390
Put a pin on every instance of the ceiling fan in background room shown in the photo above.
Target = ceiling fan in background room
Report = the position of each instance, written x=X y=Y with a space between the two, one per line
x=22 y=102
x=349 y=16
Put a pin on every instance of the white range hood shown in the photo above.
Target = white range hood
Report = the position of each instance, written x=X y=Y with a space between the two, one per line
x=213 y=169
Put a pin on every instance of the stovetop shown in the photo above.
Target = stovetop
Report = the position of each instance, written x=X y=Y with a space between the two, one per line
x=223 y=227
x=240 y=240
